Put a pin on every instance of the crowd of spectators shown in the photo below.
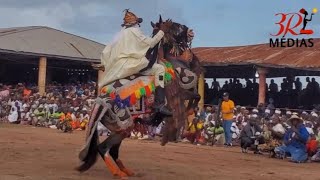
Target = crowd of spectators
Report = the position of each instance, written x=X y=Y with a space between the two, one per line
x=280 y=131
x=289 y=94
x=22 y=104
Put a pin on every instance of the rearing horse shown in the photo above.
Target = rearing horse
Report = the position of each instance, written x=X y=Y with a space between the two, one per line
x=176 y=48
x=112 y=106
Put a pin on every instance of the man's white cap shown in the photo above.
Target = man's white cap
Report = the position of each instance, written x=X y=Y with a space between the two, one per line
x=41 y=106
x=255 y=110
x=84 y=109
x=254 y=116
x=288 y=112
x=243 y=107
x=267 y=111
x=304 y=112
x=314 y=114
x=278 y=111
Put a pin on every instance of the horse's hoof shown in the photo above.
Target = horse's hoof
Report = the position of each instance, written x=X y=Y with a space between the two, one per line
x=128 y=172
x=120 y=174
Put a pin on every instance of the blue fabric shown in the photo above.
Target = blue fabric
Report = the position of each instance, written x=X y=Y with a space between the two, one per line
x=297 y=154
x=302 y=136
x=227 y=130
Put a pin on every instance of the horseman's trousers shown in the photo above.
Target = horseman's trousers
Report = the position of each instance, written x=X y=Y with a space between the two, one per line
x=158 y=71
x=127 y=67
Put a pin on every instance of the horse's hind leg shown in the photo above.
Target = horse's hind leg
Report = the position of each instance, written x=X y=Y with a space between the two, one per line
x=114 y=153
x=105 y=152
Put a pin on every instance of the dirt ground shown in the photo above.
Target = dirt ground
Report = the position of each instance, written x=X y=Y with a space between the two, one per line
x=47 y=154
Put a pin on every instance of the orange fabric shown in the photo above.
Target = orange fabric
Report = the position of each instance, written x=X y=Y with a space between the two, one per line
x=26 y=92
x=113 y=168
x=75 y=124
x=130 y=18
x=124 y=169
x=62 y=117
x=68 y=116
x=227 y=106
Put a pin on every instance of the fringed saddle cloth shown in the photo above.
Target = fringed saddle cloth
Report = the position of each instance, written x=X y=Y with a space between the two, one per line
x=127 y=92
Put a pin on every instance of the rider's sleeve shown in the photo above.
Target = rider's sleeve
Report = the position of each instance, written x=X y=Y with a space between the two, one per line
x=148 y=40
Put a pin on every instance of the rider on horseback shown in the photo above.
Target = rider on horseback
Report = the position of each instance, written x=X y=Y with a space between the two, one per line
x=125 y=56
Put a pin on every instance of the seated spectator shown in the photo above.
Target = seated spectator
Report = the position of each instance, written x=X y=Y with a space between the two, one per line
x=214 y=134
x=295 y=141
x=277 y=130
x=191 y=132
x=251 y=136
x=39 y=116
x=199 y=132
x=13 y=116
x=26 y=118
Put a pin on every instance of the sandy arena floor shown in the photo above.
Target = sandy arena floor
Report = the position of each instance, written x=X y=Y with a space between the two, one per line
x=46 y=154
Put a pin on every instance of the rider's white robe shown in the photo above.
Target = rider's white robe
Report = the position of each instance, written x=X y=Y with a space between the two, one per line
x=126 y=56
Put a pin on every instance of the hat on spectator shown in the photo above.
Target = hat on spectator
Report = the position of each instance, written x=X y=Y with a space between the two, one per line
x=225 y=94
x=253 y=116
x=314 y=114
x=267 y=111
x=41 y=106
x=278 y=111
x=288 y=112
x=255 y=111
x=34 y=106
x=304 y=112
x=243 y=107
x=84 y=109
x=294 y=117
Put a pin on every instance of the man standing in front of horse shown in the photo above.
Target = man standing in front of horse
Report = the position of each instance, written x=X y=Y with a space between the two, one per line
x=227 y=110
x=125 y=56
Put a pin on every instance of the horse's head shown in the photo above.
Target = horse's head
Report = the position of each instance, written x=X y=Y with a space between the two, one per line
x=177 y=39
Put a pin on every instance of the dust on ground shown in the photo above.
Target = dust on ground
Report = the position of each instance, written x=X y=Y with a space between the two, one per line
x=28 y=153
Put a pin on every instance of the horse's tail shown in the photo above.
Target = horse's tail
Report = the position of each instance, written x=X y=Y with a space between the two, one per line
x=91 y=157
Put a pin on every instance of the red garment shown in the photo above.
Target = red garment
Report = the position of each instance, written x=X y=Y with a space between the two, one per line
x=312 y=146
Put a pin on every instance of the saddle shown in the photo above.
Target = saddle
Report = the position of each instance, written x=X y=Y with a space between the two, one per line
x=127 y=91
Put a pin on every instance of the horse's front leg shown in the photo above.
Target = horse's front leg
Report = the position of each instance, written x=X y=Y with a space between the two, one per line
x=109 y=151
x=194 y=99
x=114 y=153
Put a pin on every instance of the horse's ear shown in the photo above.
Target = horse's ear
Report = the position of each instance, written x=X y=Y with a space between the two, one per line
x=160 y=19
x=153 y=25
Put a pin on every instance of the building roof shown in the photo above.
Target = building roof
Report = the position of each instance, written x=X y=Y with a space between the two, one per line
x=306 y=58
x=49 y=42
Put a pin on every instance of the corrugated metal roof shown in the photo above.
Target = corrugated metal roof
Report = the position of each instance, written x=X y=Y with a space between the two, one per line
x=262 y=55
x=45 y=41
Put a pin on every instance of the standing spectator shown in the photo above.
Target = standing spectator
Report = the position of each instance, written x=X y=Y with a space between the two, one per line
x=227 y=110
x=225 y=87
x=273 y=87
x=295 y=141
x=215 y=85
x=298 y=84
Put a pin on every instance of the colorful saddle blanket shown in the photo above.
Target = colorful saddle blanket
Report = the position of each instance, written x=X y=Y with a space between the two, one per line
x=126 y=92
